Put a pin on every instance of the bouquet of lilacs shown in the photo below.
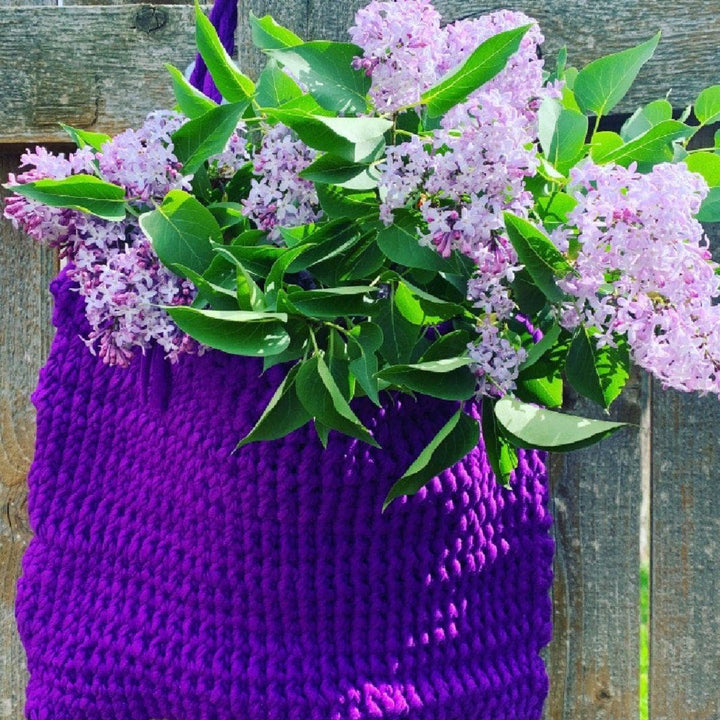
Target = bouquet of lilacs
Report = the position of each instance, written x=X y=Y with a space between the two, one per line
x=425 y=210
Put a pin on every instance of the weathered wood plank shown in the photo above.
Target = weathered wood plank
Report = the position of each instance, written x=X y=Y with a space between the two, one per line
x=595 y=499
x=684 y=679
x=687 y=60
x=25 y=334
x=92 y=67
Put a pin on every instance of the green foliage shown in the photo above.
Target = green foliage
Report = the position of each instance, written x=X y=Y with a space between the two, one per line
x=325 y=68
x=182 y=230
x=190 y=100
x=483 y=64
x=602 y=84
x=232 y=84
x=86 y=193
x=453 y=442
x=533 y=427
x=350 y=306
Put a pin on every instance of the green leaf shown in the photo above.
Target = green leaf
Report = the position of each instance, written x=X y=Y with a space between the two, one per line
x=645 y=118
x=335 y=170
x=546 y=391
x=532 y=427
x=364 y=340
x=196 y=140
x=448 y=379
x=710 y=208
x=340 y=203
x=483 y=64
x=257 y=259
x=238 y=187
x=546 y=342
x=279 y=268
x=332 y=302
x=602 y=84
x=561 y=132
x=299 y=341
x=77 y=192
x=454 y=441
x=399 y=335
x=604 y=143
x=707 y=105
x=322 y=398
x=362 y=263
x=182 y=230
x=422 y=308
x=190 y=100
x=453 y=344
x=85 y=138
x=399 y=242
x=227 y=214
x=283 y=414
x=325 y=68
x=500 y=453
x=599 y=374
x=268 y=35
x=543 y=261
x=275 y=87
x=220 y=298
x=654 y=146
x=529 y=298
x=706 y=164
x=354 y=139
x=238 y=332
x=248 y=294
x=233 y=85
x=329 y=241
x=555 y=209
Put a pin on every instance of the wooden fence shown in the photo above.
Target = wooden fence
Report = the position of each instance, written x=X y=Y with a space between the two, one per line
x=97 y=64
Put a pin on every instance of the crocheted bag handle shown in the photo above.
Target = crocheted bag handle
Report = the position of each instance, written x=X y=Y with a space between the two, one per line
x=224 y=16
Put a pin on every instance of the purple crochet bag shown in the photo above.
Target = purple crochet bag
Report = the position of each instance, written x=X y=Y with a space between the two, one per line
x=170 y=578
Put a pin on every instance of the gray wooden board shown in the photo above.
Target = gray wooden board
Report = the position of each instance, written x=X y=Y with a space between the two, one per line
x=595 y=500
x=25 y=332
x=685 y=558
x=98 y=68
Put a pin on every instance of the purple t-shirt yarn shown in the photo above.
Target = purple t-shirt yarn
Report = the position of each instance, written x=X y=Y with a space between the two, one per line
x=173 y=579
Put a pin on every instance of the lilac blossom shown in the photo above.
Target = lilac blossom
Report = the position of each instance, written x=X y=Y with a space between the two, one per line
x=496 y=361
x=115 y=267
x=142 y=160
x=644 y=270
x=401 y=44
x=279 y=197
x=236 y=154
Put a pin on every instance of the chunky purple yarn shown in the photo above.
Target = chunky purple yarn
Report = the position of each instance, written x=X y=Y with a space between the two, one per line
x=169 y=578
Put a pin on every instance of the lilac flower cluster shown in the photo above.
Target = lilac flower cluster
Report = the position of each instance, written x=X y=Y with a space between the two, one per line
x=401 y=42
x=465 y=174
x=114 y=264
x=279 y=197
x=644 y=270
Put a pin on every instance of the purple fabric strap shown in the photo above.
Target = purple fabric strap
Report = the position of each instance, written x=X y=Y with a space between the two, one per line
x=224 y=16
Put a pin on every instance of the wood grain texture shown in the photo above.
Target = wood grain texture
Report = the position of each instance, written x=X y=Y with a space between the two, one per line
x=25 y=334
x=99 y=68
x=595 y=500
